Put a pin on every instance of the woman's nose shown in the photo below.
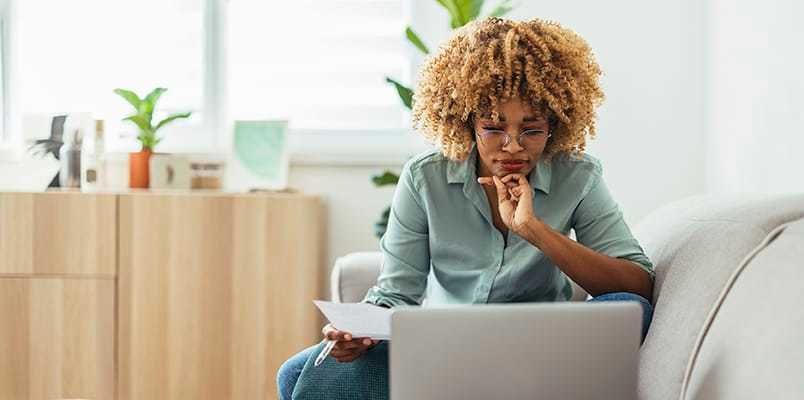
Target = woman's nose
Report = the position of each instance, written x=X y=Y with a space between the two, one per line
x=513 y=145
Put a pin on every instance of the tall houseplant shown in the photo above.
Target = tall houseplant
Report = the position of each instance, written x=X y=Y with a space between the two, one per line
x=143 y=119
x=461 y=12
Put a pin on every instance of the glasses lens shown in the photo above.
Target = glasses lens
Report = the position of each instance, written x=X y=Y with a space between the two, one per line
x=493 y=139
x=499 y=139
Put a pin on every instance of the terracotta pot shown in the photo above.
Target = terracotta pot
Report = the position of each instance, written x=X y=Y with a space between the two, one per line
x=138 y=169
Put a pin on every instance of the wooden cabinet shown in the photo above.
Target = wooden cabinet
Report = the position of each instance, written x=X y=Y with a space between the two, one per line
x=56 y=338
x=219 y=288
x=182 y=295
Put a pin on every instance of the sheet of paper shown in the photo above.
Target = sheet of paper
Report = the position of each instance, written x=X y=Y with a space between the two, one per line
x=361 y=319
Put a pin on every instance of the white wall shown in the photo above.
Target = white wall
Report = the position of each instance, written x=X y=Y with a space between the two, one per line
x=353 y=204
x=755 y=96
x=650 y=130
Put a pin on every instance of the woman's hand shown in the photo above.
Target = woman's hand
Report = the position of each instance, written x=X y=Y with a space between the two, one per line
x=346 y=348
x=514 y=199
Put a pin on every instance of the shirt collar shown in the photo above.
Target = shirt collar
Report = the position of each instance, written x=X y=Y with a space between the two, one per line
x=462 y=171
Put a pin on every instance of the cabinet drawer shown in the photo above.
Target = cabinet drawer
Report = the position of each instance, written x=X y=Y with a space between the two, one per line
x=57 y=338
x=58 y=233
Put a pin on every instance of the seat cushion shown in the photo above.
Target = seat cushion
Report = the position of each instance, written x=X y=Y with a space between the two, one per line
x=753 y=347
x=695 y=245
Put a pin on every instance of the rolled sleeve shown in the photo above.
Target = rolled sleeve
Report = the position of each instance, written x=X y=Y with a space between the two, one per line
x=598 y=223
x=405 y=248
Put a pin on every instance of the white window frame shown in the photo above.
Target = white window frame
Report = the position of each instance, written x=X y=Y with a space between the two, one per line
x=10 y=143
x=307 y=147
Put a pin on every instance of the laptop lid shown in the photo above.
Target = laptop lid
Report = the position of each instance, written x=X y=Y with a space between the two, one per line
x=564 y=350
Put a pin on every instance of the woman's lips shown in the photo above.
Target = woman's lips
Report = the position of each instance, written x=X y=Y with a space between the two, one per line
x=513 y=165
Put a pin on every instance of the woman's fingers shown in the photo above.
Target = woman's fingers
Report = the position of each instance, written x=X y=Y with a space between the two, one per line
x=518 y=191
x=352 y=344
x=522 y=180
x=339 y=335
x=509 y=187
x=502 y=191
x=348 y=351
x=346 y=347
x=508 y=177
x=343 y=353
x=485 y=180
x=333 y=334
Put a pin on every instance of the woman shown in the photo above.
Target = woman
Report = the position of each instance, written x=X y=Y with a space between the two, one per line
x=511 y=105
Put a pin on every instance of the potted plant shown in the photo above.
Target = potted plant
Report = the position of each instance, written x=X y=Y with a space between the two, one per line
x=143 y=118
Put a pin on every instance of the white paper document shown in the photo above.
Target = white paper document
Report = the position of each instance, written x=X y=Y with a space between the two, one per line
x=360 y=319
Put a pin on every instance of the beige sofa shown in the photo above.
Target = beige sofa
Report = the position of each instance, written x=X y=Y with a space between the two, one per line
x=729 y=297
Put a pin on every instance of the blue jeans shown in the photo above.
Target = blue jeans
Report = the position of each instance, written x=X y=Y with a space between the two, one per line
x=289 y=372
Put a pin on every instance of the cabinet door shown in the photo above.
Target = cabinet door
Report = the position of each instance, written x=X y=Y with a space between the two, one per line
x=215 y=293
x=58 y=233
x=57 y=338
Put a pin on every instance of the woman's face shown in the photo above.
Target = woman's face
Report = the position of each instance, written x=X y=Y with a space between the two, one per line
x=502 y=156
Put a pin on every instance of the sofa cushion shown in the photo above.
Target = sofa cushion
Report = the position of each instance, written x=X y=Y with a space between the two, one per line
x=753 y=347
x=695 y=245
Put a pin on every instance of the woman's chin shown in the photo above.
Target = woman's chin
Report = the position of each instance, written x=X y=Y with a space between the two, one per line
x=502 y=171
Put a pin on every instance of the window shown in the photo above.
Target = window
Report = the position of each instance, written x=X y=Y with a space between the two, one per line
x=74 y=53
x=320 y=64
x=4 y=78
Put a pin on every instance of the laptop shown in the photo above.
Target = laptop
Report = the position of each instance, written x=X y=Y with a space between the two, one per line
x=565 y=350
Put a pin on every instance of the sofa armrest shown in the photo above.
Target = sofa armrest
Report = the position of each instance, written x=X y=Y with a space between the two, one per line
x=353 y=275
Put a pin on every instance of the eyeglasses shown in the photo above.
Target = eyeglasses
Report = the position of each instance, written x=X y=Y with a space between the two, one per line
x=496 y=138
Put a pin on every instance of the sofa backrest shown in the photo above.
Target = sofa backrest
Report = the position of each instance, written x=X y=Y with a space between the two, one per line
x=751 y=346
x=695 y=245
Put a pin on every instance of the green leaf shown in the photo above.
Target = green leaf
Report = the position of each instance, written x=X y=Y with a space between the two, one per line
x=461 y=11
x=140 y=121
x=149 y=102
x=170 y=118
x=414 y=38
x=382 y=223
x=404 y=92
x=130 y=97
x=503 y=8
x=387 y=178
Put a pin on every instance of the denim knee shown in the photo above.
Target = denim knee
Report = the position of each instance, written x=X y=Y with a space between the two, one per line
x=288 y=373
x=647 y=308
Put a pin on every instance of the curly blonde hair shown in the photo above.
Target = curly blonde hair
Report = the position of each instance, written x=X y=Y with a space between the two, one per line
x=489 y=61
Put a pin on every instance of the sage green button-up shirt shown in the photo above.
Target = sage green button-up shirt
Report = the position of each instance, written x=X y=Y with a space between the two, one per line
x=441 y=226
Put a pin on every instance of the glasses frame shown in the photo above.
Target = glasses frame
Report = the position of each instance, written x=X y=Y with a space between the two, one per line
x=483 y=136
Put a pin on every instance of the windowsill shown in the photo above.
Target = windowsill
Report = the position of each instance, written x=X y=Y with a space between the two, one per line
x=320 y=148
